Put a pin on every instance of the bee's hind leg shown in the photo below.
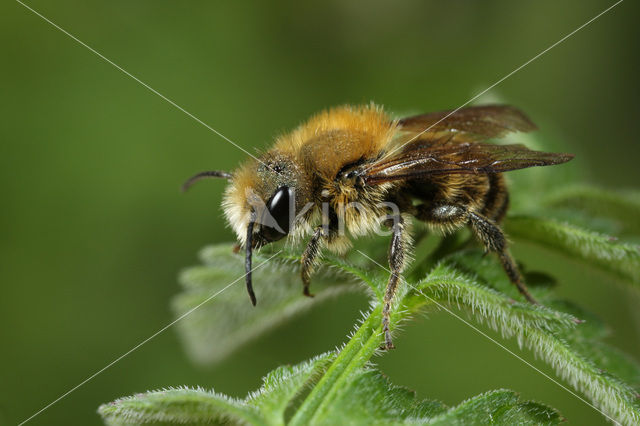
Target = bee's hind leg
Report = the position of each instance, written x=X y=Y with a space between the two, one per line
x=494 y=240
x=486 y=230
x=310 y=257
x=397 y=254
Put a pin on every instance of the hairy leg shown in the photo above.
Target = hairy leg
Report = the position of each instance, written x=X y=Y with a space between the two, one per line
x=397 y=253
x=494 y=240
x=487 y=231
x=310 y=256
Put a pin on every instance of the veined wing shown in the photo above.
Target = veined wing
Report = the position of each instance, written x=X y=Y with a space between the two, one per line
x=467 y=124
x=421 y=158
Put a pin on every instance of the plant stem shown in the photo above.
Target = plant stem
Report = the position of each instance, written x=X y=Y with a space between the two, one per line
x=354 y=355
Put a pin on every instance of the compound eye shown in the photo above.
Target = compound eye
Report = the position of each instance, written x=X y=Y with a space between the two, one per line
x=278 y=208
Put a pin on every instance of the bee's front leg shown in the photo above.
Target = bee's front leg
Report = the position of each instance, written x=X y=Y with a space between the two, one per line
x=397 y=251
x=310 y=256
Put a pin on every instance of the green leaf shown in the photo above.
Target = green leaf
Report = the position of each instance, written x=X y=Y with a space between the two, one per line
x=603 y=251
x=576 y=355
x=282 y=385
x=366 y=398
x=588 y=341
x=613 y=397
x=623 y=207
x=499 y=407
x=446 y=285
x=352 y=357
x=217 y=328
x=178 y=406
x=197 y=406
x=371 y=399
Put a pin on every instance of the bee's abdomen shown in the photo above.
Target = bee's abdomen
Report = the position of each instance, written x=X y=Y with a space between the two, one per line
x=496 y=199
x=482 y=193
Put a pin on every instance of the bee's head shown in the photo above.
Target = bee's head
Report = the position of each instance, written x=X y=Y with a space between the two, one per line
x=265 y=197
x=261 y=201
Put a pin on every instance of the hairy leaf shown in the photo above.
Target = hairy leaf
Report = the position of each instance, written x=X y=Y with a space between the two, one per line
x=603 y=251
x=370 y=398
x=623 y=207
x=352 y=357
x=366 y=398
x=219 y=326
x=282 y=385
x=500 y=407
x=577 y=356
x=178 y=406
x=443 y=284
x=446 y=285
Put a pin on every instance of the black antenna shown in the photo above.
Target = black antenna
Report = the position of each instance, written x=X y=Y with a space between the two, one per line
x=247 y=260
x=203 y=175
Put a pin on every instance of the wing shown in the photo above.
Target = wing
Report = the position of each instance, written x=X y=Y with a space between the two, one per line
x=468 y=124
x=422 y=158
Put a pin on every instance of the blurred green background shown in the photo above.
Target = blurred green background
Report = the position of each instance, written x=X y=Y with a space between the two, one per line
x=94 y=228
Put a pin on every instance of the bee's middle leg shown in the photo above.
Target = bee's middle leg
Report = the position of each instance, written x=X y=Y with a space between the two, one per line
x=397 y=253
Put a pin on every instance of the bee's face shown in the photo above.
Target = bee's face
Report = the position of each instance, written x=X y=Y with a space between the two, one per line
x=267 y=194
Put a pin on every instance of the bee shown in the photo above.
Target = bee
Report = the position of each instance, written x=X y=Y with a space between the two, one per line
x=347 y=167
